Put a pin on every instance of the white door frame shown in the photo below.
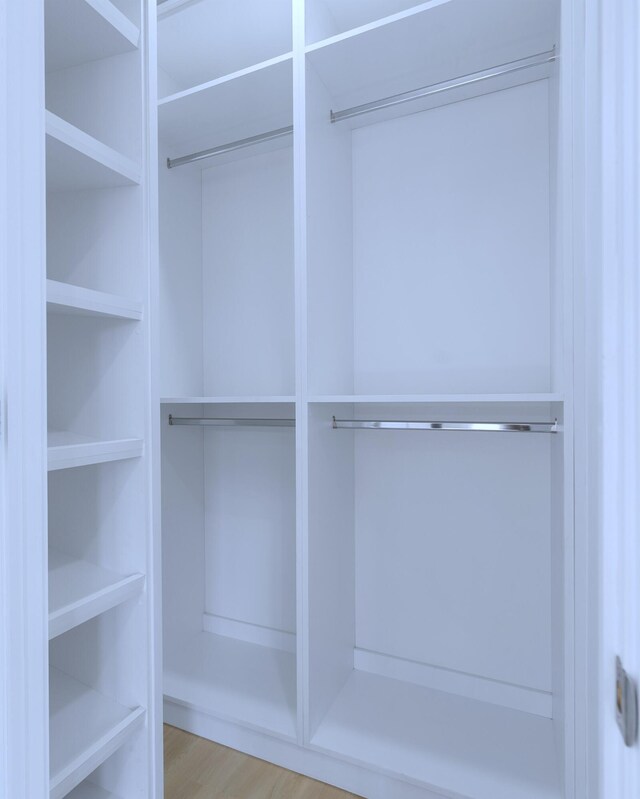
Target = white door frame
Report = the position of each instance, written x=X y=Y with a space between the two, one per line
x=24 y=771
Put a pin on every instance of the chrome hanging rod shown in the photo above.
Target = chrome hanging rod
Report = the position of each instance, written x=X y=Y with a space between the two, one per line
x=204 y=422
x=540 y=59
x=230 y=147
x=490 y=427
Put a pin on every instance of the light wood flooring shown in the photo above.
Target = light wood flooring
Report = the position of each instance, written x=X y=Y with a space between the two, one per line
x=198 y=769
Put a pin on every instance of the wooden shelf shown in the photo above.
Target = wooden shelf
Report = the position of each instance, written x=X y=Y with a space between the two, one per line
x=77 y=161
x=64 y=298
x=429 y=43
x=79 y=591
x=252 y=685
x=246 y=400
x=237 y=106
x=78 y=31
x=441 y=741
x=436 y=398
x=87 y=790
x=85 y=728
x=68 y=450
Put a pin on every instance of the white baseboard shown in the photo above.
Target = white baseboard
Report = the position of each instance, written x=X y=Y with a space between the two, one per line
x=471 y=686
x=250 y=633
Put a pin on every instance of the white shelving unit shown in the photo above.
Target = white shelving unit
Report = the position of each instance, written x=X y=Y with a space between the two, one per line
x=85 y=729
x=66 y=299
x=67 y=450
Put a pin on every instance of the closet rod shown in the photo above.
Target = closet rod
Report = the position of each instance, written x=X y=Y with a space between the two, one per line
x=455 y=83
x=493 y=427
x=204 y=422
x=230 y=147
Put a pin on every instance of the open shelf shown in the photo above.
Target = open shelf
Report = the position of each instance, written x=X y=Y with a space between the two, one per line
x=65 y=298
x=267 y=400
x=437 y=398
x=236 y=106
x=198 y=42
x=67 y=450
x=77 y=161
x=430 y=43
x=85 y=729
x=78 y=31
x=441 y=741
x=233 y=680
x=87 y=790
x=79 y=591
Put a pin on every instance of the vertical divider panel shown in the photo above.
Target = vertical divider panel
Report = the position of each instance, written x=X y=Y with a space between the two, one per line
x=301 y=376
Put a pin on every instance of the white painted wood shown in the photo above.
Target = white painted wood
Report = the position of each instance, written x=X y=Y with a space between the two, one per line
x=67 y=450
x=245 y=400
x=233 y=107
x=67 y=299
x=201 y=41
x=250 y=633
x=77 y=31
x=79 y=591
x=87 y=790
x=471 y=686
x=77 y=161
x=233 y=680
x=247 y=286
x=449 y=399
x=85 y=729
x=453 y=745
x=431 y=43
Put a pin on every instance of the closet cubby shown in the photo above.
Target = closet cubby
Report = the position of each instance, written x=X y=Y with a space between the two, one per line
x=203 y=40
x=228 y=496
x=227 y=275
x=439 y=657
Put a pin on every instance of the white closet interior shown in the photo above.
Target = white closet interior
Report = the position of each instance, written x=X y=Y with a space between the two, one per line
x=101 y=684
x=381 y=606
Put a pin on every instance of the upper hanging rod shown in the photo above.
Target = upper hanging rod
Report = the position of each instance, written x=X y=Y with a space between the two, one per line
x=230 y=147
x=204 y=422
x=455 y=83
x=492 y=427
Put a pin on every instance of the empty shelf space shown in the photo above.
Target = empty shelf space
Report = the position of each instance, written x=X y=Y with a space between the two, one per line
x=79 y=591
x=437 y=398
x=246 y=400
x=77 y=161
x=444 y=742
x=85 y=728
x=68 y=450
x=67 y=299
x=78 y=31
x=87 y=790
x=236 y=681
x=247 y=103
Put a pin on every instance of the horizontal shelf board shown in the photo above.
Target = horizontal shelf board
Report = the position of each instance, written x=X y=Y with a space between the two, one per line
x=65 y=298
x=85 y=728
x=448 y=743
x=436 y=398
x=233 y=680
x=246 y=103
x=431 y=43
x=67 y=450
x=88 y=790
x=77 y=161
x=79 y=31
x=79 y=591
x=246 y=400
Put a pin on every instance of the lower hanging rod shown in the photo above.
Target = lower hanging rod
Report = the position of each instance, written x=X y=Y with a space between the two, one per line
x=213 y=422
x=230 y=147
x=540 y=59
x=483 y=427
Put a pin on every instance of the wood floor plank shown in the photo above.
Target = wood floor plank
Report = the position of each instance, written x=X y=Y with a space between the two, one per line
x=199 y=769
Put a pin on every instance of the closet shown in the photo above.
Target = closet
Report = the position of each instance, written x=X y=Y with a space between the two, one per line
x=366 y=390
x=310 y=335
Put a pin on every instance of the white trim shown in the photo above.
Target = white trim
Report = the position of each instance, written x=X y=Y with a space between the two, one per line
x=472 y=686
x=250 y=633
